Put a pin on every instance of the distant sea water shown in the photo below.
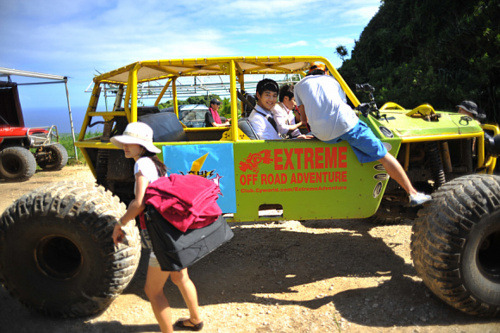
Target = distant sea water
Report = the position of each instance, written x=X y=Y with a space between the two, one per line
x=59 y=116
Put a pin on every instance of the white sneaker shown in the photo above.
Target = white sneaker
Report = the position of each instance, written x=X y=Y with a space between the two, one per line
x=419 y=199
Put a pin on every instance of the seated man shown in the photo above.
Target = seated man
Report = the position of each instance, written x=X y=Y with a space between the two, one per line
x=284 y=115
x=212 y=118
x=261 y=118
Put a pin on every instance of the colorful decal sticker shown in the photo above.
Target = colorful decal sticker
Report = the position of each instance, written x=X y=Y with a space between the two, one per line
x=253 y=160
x=214 y=162
x=294 y=169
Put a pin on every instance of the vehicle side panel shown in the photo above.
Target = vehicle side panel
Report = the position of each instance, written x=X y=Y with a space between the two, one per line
x=307 y=178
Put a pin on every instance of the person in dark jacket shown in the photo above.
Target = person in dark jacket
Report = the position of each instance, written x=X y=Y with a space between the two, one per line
x=212 y=118
x=470 y=109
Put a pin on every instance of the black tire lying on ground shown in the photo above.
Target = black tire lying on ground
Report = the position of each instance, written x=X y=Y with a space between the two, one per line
x=52 y=158
x=456 y=244
x=56 y=251
x=17 y=164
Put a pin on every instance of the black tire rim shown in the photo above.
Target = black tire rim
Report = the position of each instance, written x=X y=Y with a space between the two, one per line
x=58 y=257
x=488 y=255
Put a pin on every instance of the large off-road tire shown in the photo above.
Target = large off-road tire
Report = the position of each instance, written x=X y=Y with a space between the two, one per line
x=56 y=251
x=52 y=158
x=455 y=244
x=17 y=164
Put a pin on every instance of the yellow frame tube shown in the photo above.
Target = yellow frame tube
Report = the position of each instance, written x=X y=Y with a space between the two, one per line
x=492 y=161
x=162 y=92
x=234 y=98
x=126 y=105
x=96 y=91
x=342 y=83
x=174 y=96
x=133 y=111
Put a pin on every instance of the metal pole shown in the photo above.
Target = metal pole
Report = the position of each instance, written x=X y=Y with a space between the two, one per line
x=70 y=117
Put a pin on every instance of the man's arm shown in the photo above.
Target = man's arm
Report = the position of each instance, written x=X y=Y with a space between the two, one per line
x=303 y=117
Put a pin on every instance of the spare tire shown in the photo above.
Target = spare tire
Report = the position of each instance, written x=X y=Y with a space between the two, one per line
x=17 y=164
x=52 y=157
x=455 y=244
x=56 y=251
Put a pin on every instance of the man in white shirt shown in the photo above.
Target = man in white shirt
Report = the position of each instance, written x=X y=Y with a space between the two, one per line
x=261 y=118
x=322 y=104
x=284 y=115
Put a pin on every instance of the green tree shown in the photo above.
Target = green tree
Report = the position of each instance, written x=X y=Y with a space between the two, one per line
x=433 y=52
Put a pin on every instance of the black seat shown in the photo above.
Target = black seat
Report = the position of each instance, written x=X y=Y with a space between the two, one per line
x=246 y=127
x=166 y=127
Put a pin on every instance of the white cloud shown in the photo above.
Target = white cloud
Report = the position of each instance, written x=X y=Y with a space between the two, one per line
x=334 y=42
x=269 y=8
x=75 y=37
x=292 y=45
x=364 y=13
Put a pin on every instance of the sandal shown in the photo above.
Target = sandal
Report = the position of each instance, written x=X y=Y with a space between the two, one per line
x=180 y=324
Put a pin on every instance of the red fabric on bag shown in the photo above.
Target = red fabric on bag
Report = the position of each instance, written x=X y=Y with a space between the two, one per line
x=186 y=201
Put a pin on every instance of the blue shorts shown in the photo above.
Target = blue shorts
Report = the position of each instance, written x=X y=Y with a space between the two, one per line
x=366 y=145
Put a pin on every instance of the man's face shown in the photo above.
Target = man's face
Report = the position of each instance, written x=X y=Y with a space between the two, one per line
x=267 y=100
x=463 y=111
x=215 y=106
x=289 y=102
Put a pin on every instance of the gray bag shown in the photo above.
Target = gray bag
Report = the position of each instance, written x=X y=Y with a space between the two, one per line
x=176 y=250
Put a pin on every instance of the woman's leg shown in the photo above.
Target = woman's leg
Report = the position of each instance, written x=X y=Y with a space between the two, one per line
x=155 y=280
x=188 y=291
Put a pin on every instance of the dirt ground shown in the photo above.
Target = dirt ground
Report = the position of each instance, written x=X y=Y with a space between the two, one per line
x=315 y=276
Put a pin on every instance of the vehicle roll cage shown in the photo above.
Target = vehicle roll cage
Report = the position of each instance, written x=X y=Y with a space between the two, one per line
x=128 y=77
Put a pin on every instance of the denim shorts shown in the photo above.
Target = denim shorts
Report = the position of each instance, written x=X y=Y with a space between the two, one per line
x=366 y=145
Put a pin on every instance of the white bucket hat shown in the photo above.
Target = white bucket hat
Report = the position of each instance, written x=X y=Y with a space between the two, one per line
x=136 y=133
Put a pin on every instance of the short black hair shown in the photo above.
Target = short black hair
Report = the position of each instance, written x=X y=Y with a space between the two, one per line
x=267 y=85
x=286 y=90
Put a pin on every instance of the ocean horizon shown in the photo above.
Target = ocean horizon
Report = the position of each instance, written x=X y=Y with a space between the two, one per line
x=59 y=116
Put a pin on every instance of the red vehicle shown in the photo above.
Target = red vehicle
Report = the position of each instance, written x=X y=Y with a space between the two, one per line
x=22 y=148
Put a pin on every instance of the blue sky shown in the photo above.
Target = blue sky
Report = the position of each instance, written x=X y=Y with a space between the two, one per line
x=79 y=38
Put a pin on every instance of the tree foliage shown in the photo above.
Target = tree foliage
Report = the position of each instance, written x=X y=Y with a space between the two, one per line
x=224 y=110
x=427 y=51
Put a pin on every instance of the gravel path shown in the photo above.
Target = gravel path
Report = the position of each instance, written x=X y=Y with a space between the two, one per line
x=316 y=276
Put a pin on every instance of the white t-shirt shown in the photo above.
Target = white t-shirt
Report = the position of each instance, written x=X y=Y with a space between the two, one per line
x=147 y=167
x=325 y=105
x=284 y=118
x=261 y=125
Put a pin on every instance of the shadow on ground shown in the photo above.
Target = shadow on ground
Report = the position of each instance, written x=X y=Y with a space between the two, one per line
x=266 y=265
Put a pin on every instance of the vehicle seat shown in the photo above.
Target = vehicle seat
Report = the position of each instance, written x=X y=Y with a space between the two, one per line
x=248 y=100
x=166 y=127
x=246 y=127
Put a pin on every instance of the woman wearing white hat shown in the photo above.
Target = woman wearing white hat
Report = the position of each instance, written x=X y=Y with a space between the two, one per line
x=137 y=143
